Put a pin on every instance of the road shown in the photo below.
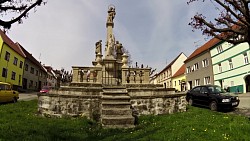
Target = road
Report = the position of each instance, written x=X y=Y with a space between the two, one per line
x=27 y=96
x=244 y=100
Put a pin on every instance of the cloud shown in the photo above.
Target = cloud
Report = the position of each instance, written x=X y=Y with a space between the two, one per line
x=63 y=33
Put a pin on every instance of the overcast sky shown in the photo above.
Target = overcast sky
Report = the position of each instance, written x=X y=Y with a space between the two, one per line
x=63 y=33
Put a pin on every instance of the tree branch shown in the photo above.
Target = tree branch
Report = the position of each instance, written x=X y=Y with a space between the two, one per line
x=7 y=24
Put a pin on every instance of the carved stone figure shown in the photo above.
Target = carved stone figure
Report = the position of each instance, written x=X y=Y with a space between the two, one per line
x=98 y=49
x=118 y=47
x=110 y=46
x=111 y=15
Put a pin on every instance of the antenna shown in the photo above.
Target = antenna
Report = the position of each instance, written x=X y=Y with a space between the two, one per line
x=196 y=44
x=39 y=57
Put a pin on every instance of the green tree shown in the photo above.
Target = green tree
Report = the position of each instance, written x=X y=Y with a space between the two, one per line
x=13 y=11
x=232 y=23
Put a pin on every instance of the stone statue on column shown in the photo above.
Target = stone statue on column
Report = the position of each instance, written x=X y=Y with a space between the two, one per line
x=110 y=46
x=98 y=49
x=119 y=51
x=111 y=14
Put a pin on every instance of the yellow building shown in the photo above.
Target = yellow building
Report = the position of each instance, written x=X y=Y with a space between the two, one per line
x=179 y=79
x=11 y=61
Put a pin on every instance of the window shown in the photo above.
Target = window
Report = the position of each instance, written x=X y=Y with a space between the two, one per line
x=26 y=67
x=4 y=72
x=219 y=48
x=197 y=82
x=188 y=69
x=204 y=63
x=207 y=80
x=246 y=58
x=21 y=64
x=196 y=66
x=230 y=64
x=32 y=70
x=15 y=61
x=179 y=82
x=36 y=72
x=232 y=83
x=220 y=68
x=7 y=56
x=13 y=75
x=174 y=83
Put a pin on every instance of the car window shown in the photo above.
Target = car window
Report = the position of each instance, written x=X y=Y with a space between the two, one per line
x=215 y=89
x=204 y=90
x=8 y=87
x=2 y=87
x=196 y=90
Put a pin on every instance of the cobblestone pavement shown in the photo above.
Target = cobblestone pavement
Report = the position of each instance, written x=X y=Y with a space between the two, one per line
x=241 y=111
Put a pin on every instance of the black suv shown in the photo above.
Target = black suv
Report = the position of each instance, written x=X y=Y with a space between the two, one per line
x=212 y=96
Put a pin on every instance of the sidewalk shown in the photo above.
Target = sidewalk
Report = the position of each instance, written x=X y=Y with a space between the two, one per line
x=243 y=94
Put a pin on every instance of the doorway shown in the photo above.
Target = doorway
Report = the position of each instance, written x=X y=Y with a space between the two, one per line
x=247 y=81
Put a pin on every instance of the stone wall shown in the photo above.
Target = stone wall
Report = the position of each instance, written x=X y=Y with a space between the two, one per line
x=79 y=102
x=158 y=101
x=86 y=101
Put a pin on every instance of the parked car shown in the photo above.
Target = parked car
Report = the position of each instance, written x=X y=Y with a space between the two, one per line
x=45 y=89
x=212 y=96
x=7 y=94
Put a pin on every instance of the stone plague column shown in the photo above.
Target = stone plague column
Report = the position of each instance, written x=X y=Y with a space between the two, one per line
x=109 y=61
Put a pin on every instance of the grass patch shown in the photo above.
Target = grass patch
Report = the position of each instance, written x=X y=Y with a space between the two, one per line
x=19 y=122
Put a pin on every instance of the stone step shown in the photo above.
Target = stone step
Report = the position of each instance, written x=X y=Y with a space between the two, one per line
x=116 y=111
x=114 y=93
x=115 y=97
x=106 y=98
x=119 y=126
x=113 y=104
x=117 y=120
x=114 y=89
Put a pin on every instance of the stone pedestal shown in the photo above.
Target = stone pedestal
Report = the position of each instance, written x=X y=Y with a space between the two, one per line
x=109 y=71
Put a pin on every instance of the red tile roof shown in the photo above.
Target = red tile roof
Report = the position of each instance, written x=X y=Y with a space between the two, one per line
x=180 y=71
x=11 y=44
x=203 y=48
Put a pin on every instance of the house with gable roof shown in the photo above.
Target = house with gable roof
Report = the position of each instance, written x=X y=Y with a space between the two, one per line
x=12 y=61
x=51 y=77
x=164 y=77
x=179 y=79
x=199 y=69
x=34 y=74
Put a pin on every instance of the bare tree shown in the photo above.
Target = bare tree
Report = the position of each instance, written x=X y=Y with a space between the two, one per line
x=17 y=10
x=130 y=61
x=232 y=24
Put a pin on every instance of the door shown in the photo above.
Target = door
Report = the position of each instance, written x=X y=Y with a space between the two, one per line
x=195 y=94
x=204 y=96
x=5 y=94
x=25 y=83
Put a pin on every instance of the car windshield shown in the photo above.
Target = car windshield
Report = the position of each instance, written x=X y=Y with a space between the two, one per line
x=215 y=89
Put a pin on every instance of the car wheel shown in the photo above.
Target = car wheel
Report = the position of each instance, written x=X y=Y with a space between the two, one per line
x=190 y=102
x=213 y=106
x=14 y=100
